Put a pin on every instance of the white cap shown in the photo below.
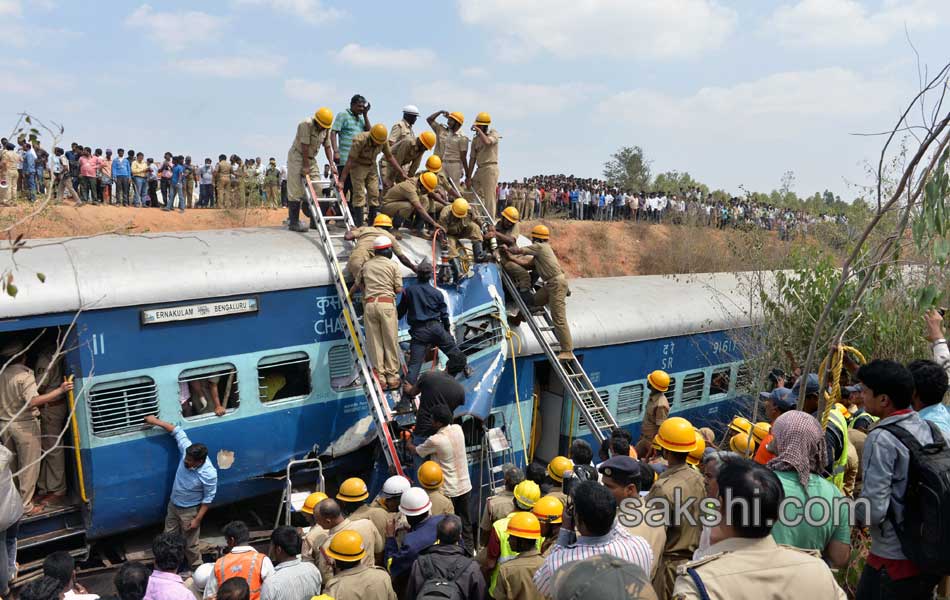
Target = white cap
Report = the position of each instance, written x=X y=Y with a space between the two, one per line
x=382 y=242
x=410 y=109
x=395 y=486
x=202 y=574
x=415 y=501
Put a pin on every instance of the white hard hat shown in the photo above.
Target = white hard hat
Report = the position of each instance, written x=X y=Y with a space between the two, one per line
x=382 y=243
x=415 y=501
x=202 y=574
x=395 y=486
x=410 y=109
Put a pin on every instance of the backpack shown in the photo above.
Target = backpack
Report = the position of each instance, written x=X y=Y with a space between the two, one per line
x=439 y=588
x=924 y=533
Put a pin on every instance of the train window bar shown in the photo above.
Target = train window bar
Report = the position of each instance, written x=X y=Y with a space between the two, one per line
x=630 y=401
x=198 y=387
x=694 y=385
x=342 y=367
x=117 y=407
x=283 y=377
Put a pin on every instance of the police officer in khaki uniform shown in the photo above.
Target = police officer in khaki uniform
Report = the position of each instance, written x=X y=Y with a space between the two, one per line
x=657 y=410
x=381 y=283
x=431 y=478
x=51 y=485
x=506 y=232
x=403 y=200
x=676 y=485
x=330 y=521
x=540 y=257
x=408 y=153
x=301 y=161
x=501 y=504
x=484 y=156
x=222 y=183
x=514 y=581
x=8 y=173
x=361 y=169
x=352 y=580
x=457 y=224
x=532 y=200
x=452 y=145
x=403 y=128
x=516 y=198
x=272 y=184
x=363 y=248
x=20 y=403
x=744 y=562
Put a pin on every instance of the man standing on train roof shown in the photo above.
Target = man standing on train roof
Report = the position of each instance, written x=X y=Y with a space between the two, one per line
x=452 y=145
x=196 y=483
x=485 y=156
x=301 y=161
x=364 y=238
x=657 y=410
x=381 y=283
x=403 y=128
x=540 y=257
x=361 y=169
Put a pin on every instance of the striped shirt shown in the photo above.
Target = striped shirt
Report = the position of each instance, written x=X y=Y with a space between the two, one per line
x=292 y=580
x=618 y=542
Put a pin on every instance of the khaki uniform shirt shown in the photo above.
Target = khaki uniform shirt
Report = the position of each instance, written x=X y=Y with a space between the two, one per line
x=400 y=131
x=654 y=535
x=361 y=583
x=532 y=195
x=441 y=505
x=364 y=150
x=756 y=568
x=446 y=185
x=312 y=135
x=375 y=514
x=365 y=236
x=408 y=153
x=449 y=146
x=379 y=277
x=515 y=577
x=454 y=225
x=52 y=371
x=407 y=190
x=497 y=507
x=682 y=539
x=486 y=154
x=17 y=388
x=224 y=172
x=545 y=261
x=658 y=409
x=318 y=540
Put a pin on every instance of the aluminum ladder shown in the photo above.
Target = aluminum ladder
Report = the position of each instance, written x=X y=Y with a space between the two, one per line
x=378 y=399
x=573 y=377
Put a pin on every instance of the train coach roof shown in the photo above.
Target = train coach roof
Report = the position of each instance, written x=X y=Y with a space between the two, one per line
x=616 y=310
x=131 y=270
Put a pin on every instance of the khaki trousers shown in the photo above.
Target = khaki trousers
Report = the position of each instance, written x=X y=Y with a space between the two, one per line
x=665 y=576
x=357 y=259
x=518 y=274
x=177 y=520
x=554 y=294
x=485 y=182
x=382 y=330
x=23 y=439
x=453 y=170
x=53 y=470
x=223 y=191
x=273 y=195
x=365 y=182
x=397 y=208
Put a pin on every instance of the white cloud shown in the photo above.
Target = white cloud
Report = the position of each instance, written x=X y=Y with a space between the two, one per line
x=31 y=80
x=654 y=29
x=11 y=8
x=175 y=31
x=504 y=100
x=231 y=67
x=386 y=58
x=310 y=91
x=843 y=23
x=311 y=11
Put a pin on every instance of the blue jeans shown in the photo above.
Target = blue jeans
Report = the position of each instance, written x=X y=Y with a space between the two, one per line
x=40 y=180
x=175 y=191
x=141 y=185
x=29 y=182
x=7 y=557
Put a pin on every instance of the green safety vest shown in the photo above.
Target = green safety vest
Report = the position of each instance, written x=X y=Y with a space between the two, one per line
x=837 y=420
x=501 y=530
x=863 y=413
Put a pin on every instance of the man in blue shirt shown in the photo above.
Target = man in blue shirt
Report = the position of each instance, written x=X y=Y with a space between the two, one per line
x=176 y=185
x=346 y=124
x=196 y=482
x=29 y=170
x=121 y=174
x=416 y=507
x=930 y=386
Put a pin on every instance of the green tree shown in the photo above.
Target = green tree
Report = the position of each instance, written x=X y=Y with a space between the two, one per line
x=628 y=169
x=674 y=182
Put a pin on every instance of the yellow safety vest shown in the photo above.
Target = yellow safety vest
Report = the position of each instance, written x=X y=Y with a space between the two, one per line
x=837 y=420
x=501 y=530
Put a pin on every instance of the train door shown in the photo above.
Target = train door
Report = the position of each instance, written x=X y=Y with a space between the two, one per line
x=550 y=393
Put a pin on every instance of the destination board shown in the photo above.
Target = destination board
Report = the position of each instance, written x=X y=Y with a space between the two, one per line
x=198 y=311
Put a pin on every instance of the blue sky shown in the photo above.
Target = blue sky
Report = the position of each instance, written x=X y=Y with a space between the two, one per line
x=735 y=92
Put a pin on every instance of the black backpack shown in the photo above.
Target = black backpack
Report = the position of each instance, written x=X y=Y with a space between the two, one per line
x=439 y=588
x=925 y=531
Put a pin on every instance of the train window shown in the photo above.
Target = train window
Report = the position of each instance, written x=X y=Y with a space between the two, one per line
x=478 y=333
x=745 y=379
x=671 y=391
x=342 y=366
x=630 y=400
x=719 y=384
x=693 y=386
x=119 y=406
x=208 y=390
x=284 y=376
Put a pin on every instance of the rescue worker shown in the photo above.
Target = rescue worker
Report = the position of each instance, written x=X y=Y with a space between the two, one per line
x=20 y=403
x=621 y=475
x=384 y=511
x=309 y=551
x=9 y=161
x=514 y=580
x=353 y=580
x=272 y=184
x=676 y=485
x=506 y=233
x=430 y=478
x=403 y=128
x=498 y=551
x=364 y=237
x=558 y=468
x=532 y=201
x=549 y=511
x=222 y=183
x=241 y=560
x=301 y=161
x=452 y=144
x=49 y=375
x=501 y=504
x=836 y=431
x=361 y=169
x=408 y=153
x=484 y=181
x=739 y=425
x=381 y=283
x=516 y=198
x=458 y=225
x=741 y=444
x=696 y=455
x=331 y=521
x=402 y=200
x=415 y=507
x=540 y=257
x=657 y=410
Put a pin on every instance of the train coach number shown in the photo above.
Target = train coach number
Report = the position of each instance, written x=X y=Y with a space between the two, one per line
x=723 y=346
x=667 y=360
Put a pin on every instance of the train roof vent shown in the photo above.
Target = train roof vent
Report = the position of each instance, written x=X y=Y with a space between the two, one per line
x=117 y=407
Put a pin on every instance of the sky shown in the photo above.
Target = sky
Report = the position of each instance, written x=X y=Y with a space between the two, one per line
x=734 y=92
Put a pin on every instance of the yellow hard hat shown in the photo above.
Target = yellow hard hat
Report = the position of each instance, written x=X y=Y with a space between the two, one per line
x=697 y=454
x=353 y=490
x=841 y=408
x=741 y=444
x=659 y=380
x=740 y=425
x=379 y=133
x=558 y=466
x=656 y=442
x=312 y=501
x=483 y=118
x=430 y=475
x=460 y=207
x=322 y=597
x=541 y=232
x=457 y=117
x=346 y=545
x=428 y=139
x=429 y=181
x=677 y=435
x=382 y=220
x=524 y=525
x=527 y=493
x=323 y=117
x=434 y=163
x=511 y=214
x=760 y=431
x=548 y=509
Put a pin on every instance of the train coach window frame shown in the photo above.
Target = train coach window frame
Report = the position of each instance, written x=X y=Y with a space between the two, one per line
x=718 y=372
x=630 y=400
x=479 y=332
x=340 y=358
x=298 y=379
x=670 y=392
x=213 y=378
x=694 y=386
x=120 y=406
